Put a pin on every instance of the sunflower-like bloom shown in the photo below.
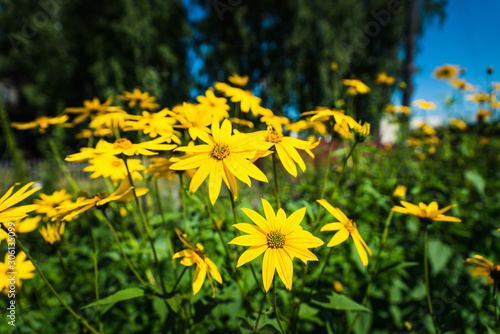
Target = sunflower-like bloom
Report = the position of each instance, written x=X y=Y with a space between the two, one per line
x=20 y=268
x=160 y=167
x=342 y=129
x=41 y=123
x=87 y=153
x=194 y=119
x=204 y=266
x=427 y=129
x=462 y=85
x=142 y=99
x=224 y=157
x=279 y=238
x=426 y=105
x=242 y=122
x=384 y=79
x=399 y=192
x=458 y=124
x=362 y=132
x=247 y=100
x=112 y=120
x=323 y=114
x=484 y=268
x=52 y=232
x=392 y=109
x=273 y=120
x=213 y=105
x=110 y=166
x=123 y=193
x=9 y=213
x=48 y=203
x=285 y=148
x=483 y=114
x=237 y=80
x=357 y=86
x=87 y=133
x=447 y=71
x=426 y=213
x=345 y=227
x=479 y=98
x=303 y=125
x=28 y=224
x=154 y=125
x=91 y=108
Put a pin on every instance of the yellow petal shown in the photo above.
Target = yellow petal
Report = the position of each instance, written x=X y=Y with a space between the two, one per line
x=284 y=267
x=201 y=175
x=286 y=160
x=268 y=267
x=249 y=240
x=250 y=254
x=339 y=238
x=215 y=182
x=257 y=219
x=332 y=227
x=214 y=271
x=199 y=277
x=270 y=216
x=293 y=221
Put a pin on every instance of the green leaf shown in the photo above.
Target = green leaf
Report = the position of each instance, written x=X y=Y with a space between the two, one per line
x=439 y=255
x=160 y=308
x=175 y=302
x=398 y=265
x=477 y=181
x=338 y=302
x=119 y=296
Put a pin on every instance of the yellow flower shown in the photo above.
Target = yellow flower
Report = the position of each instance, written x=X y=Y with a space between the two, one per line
x=427 y=129
x=426 y=213
x=458 y=123
x=479 y=98
x=446 y=71
x=426 y=105
x=194 y=119
x=484 y=140
x=26 y=225
x=213 y=105
x=273 y=120
x=495 y=86
x=235 y=79
x=87 y=133
x=279 y=238
x=391 y=109
x=342 y=129
x=52 y=232
x=142 y=99
x=125 y=147
x=337 y=286
x=482 y=115
x=323 y=114
x=224 y=157
x=19 y=268
x=400 y=192
x=384 y=79
x=112 y=120
x=110 y=166
x=154 y=125
x=484 y=268
x=357 y=85
x=42 y=123
x=87 y=153
x=345 y=227
x=334 y=66
x=362 y=132
x=245 y=97
x=242 y=122
x=48 y=203
x=91 y=108
x=303 y=125
x=9 y=213
x=122 y=194
x=160 y=167
x=204 y=266
x=461 y=84
x=285 y=147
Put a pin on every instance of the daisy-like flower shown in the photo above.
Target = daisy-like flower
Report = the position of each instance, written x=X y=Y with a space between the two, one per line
x=9 y=213
x=279 y=238
x=384 y=79
x=426 y=105
x=392 y=109
x=204 y=266
x=213 y=105
x=285 y=148
x=224 y=157
x=399 y=192
x=237 y=80
x=91 y=108
x=48 y=203
x=345 y=227
x=484 y=268
x=479 y=98
x=461 y=84
x=20 y=268
x=426 y=213
x=357 y=86
x=87 y=133
x=41 y=123
x=323 y=114
x=247 y=100
x=458 y=124
x=483 y=114
x=28 y=224
x=154 y=125
x=122 y=194
x=87 y=153
x=242 y=122
x=52 y=232
x=142 y=99
x=446 y=71
x=342 y=129
x=269 y=118
x=112 y=120
x=194 y=119
x=427 y=129
x=110 y=166
x=160 y=167
x=362 y=132
x=303 y=125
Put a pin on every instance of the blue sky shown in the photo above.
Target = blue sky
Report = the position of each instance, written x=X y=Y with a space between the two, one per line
x=469 y=38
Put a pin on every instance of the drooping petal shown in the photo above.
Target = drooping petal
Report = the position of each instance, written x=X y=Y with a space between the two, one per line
x=339 y=238
x=284 y=267
x=286 y=160
x=199 y=277
x=214 y=271
x=333 y=211
x=268 y=267
x=201 y=175
x=332 y=227
x=215 y=181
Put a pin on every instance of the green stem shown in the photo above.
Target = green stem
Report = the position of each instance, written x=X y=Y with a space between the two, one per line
x=96 y=273
x=77 y=317
x=184 y=213
x=321 y=272
x=147 y=228
x=375 y=269
x=63 y=167
x=343 y=169
x=276 y=189
x=178 y=280
x=427 y=285
x=165 y=226
x=117 y=239
x=258 y=316
x=276 y=306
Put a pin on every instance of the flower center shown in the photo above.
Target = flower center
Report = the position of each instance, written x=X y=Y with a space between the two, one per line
x=122 y=143
x=220 y=151
x=116 y=163
x=350 y=225
x=273 y=136
x=276 y=239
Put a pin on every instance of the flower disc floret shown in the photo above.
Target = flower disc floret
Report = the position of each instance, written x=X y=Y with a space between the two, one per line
x=275 y=239
x=220 y=151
